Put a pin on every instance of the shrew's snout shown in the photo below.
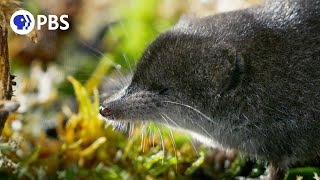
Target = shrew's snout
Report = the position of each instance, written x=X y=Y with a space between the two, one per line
x=142 y=105
x=105 y=111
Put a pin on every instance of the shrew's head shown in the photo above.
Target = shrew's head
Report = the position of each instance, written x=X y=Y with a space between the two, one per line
x=179 y=76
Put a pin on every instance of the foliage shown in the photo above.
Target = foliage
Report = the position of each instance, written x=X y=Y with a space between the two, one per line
x=85 y=148
x=82 y=145
x=141 y=21
x=303 y=173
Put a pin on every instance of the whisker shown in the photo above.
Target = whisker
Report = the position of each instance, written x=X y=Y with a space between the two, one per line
x=185 y=134
x=162 y=143
x=112 y=63
x=190 y=107
x=142 y=138
x=131 y=129
x=127 y=36
x=124 y=81
x=181 y=128
x=150 y=134
x=192 y=144
x=172 y=141
x=171 y=120
x=98 y=52
x=204 y=130
x=127 y=61
x=108 y=123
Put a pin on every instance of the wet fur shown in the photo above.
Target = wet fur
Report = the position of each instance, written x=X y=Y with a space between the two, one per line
x=247 y=79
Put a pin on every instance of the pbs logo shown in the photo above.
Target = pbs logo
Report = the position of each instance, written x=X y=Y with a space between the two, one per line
x=22 y=22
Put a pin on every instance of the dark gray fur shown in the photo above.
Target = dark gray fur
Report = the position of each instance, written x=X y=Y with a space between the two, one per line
x=253 y=75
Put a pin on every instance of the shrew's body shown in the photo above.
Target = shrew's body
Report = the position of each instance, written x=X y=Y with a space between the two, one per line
x=247 y=79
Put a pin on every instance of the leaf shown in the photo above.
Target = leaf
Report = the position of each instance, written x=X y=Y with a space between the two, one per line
x=103 y=67
x=195 y=165
x=152 y=160
x=32 y=157
x=93 y=147
x=305 y=172
x=82 y=97
x=163 y=167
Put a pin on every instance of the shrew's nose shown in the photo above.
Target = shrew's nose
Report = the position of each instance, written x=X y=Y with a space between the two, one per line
x=104 y=111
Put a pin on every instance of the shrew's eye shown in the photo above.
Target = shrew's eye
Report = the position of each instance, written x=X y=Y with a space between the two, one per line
x=164 y=91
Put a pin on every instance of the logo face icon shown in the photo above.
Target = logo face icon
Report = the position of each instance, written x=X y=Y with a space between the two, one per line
x=22 y=22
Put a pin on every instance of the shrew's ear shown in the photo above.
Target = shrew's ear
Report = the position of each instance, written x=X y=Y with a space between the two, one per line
x=237 y=72
x=230 y=68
